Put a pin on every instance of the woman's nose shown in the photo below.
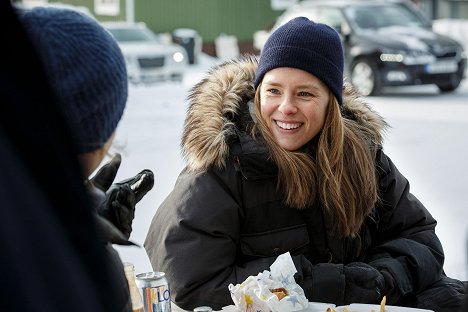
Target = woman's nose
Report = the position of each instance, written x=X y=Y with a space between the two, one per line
x=287 y=106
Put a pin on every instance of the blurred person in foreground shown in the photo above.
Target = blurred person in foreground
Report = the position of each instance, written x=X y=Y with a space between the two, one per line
x=50 y=258
x=86 y=72
x=283 y=157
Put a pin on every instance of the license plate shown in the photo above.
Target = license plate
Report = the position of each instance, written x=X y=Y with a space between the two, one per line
x=441 y=67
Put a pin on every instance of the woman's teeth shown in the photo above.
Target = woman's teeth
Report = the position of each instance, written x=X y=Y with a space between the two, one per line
x=288 y=126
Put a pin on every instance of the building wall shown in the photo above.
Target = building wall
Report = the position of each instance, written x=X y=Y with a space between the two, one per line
x=209 y=18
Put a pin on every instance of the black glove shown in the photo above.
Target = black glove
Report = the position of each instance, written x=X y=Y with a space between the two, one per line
x=118 y=205
x=364 y=283
x=105 y=176
x=340 y=284
x=322 y=282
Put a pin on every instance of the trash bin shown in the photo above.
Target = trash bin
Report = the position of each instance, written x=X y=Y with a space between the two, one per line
x=190 y=40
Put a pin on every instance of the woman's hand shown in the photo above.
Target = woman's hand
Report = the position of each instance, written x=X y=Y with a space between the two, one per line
x=340 y=284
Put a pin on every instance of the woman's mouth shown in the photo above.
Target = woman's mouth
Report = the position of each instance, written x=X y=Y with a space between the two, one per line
x=288 y=125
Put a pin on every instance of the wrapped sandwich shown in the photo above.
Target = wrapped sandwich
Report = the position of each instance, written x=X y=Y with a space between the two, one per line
x=271 y=291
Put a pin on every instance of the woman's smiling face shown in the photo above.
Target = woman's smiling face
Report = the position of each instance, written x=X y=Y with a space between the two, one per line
x=294 y=105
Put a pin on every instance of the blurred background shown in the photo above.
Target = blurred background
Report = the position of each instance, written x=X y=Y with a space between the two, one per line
x=387 y=42
x=214 y=18
x=407 y=58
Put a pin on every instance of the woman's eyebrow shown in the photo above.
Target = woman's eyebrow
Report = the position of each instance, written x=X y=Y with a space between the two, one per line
x=301 y=86
x=309 y=86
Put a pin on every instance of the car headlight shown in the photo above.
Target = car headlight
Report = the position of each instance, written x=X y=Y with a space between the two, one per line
x=178 y=57
x=391 y=57
x=412 y=57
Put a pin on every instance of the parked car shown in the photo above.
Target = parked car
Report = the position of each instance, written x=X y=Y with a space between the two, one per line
x=386 y=43
x=148 y=57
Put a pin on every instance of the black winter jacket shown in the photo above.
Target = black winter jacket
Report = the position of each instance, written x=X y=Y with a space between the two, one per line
x=226 y=220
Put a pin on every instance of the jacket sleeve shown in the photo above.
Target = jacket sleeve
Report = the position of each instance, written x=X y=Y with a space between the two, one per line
x=193 y=238
x=405 y=248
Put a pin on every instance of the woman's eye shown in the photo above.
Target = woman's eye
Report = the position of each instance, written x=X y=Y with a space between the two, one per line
x=273 y=91
x=304 y=93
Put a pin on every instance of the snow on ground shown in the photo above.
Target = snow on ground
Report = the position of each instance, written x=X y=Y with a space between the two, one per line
x=423 y=123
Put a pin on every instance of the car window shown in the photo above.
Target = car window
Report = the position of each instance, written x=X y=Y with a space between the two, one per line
x=365 y=17
x=311 y=13
x=132 y=34
x=332 y=17
x=326 y=15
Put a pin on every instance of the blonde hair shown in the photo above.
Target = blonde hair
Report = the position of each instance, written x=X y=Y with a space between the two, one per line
x=342 y=173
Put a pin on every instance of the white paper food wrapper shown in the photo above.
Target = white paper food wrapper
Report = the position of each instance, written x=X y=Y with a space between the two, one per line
x=254 y=293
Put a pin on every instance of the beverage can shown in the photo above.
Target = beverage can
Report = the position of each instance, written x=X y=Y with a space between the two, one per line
x=155 y=291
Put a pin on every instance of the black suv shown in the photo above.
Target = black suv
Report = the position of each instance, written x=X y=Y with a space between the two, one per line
x=387 y=43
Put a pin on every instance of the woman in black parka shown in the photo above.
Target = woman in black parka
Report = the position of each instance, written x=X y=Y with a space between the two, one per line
x=281 y=157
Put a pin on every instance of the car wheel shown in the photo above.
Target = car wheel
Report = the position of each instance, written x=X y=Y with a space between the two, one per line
x=365 y=78
x=449 y=86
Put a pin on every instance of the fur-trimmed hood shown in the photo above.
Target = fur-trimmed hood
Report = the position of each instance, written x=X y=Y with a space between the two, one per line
x=219 y=102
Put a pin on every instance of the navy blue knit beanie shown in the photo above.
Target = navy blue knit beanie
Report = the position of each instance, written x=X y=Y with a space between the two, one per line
x=313 y=47
x=86 y=70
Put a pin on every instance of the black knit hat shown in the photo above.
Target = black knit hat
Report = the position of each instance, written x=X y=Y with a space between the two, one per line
x=313 y=47
x=86 y=70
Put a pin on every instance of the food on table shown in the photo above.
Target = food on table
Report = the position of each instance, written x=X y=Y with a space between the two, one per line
x=382 y=304
x=271 y=291
x=279 y=292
